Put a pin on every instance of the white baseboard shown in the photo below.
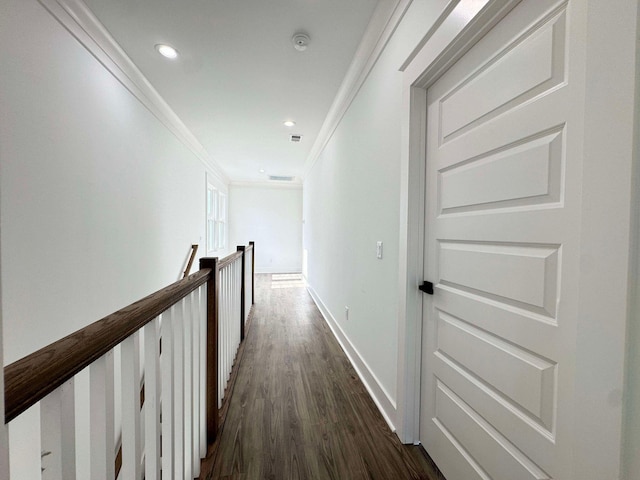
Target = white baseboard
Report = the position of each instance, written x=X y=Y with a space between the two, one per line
x=379 y=395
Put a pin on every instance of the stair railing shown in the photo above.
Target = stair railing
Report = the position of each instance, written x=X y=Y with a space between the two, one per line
x=192 y=256
x=174 y=338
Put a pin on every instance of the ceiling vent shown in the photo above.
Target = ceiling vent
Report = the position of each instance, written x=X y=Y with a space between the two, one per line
x=280 y=178
x=295 y=138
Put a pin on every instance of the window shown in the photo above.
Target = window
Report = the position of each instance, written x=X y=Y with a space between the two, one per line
x=216 y=219
x=221 y=218
x=211 y=222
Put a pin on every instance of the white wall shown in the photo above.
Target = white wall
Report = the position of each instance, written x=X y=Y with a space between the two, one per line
x=271 y=217
x=100 y=202
x=351 y=201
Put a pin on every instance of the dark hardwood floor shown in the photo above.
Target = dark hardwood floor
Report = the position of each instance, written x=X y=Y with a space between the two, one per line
x=299 y=410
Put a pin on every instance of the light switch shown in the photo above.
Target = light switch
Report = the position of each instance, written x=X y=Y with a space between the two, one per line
x=379 y=249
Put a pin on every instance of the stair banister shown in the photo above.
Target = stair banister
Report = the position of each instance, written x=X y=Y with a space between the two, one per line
x=182 y=325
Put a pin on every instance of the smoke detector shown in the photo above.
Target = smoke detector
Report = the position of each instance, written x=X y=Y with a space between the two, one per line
x=300 y=41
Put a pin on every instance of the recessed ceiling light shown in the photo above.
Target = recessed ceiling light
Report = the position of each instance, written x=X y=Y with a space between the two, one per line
x=167 y=51
x=289 y=123
x=262 y=170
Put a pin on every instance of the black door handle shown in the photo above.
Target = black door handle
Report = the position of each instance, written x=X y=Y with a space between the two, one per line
x=427 y=287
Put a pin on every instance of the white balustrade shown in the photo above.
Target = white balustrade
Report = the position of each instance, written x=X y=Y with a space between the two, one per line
x=228 y=322
x=161 y=387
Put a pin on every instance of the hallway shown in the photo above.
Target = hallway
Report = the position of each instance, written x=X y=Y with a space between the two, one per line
x=299 y=410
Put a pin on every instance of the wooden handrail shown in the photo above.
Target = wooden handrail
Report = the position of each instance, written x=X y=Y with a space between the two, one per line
x=228 y=260
x=30 y=379
x=192 y=256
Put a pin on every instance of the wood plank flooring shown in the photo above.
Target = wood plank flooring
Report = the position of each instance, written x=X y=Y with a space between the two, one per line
x=299 y=410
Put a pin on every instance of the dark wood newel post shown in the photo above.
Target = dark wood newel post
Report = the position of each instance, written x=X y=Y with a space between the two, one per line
x=212 y=347
x=241 y=248
x=253 y=271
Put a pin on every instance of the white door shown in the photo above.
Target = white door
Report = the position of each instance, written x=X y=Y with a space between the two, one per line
x=502 y=249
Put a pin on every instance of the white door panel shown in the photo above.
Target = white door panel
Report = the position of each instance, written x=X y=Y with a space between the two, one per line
x=502 y=249
x=523 y=430
x=531 y=66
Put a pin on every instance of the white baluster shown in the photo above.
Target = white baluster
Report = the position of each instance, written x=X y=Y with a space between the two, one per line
x=226 y=332
x=58 y=434
x=166 y=384
x=4 y=430
x=230 y=322
x=195 y=381
x=152 y=400
x=203 y=370
x=221 y=335
x=249 y=288
x=102 y=449
x=4 y=444
x=131 y=442
x=250 y=281
x=235 y=320
x=235 y=316
x=187 y=391
x=178 y=386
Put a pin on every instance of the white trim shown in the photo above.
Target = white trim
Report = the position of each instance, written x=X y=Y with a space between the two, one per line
x=411 y=252
x=441 y=48
x=610 y=39
x=444 y=14
x=378 y=393
x=454 y=37
x=383 y=24
x=79 y=20
x=274 y=185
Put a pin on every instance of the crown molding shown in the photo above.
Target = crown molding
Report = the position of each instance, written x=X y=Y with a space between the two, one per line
x=76 y=17
x=384 y=21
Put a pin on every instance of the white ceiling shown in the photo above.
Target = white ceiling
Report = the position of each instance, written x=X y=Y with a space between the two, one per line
x=238 y=77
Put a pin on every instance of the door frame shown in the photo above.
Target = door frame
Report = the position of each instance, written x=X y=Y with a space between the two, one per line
x=604 y=283
x=453 y=34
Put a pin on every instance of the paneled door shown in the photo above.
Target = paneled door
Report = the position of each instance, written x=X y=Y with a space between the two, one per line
x=502 y=249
